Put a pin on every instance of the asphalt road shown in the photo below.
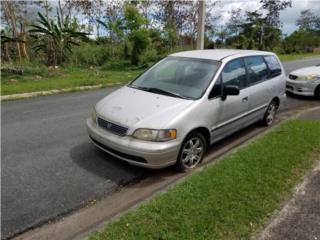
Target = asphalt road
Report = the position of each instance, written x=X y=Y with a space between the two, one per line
x=49 y=166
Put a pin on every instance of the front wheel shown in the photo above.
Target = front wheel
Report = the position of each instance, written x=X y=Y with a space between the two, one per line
x=270 y=114
x=192 y=152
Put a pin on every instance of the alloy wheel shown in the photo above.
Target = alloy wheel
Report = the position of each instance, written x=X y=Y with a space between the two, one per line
x=271 y=112
x=192 y=152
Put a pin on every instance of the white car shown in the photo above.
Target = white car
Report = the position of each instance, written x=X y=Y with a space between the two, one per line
x=304 y=82
x=176 y=109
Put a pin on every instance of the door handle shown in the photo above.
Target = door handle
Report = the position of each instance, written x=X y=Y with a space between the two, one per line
x=245 y=99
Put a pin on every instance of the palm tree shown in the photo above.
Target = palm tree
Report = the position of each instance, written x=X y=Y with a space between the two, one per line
x=55 y=39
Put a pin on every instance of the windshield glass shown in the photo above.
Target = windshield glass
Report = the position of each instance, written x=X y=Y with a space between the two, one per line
x=178 y=77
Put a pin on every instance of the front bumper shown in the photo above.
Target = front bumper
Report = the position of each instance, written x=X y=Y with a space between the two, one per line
x=303 y=88
x=134 y=151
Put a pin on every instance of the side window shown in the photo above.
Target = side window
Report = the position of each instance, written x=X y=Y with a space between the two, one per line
x=273 y=65
x=257 y=69
x=234 y=73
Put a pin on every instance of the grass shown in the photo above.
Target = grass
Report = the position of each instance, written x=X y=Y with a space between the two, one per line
x=231 y=199
x=50 y=79
x=40 y=78
x=297 y=56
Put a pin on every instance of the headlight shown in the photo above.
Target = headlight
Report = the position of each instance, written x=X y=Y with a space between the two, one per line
x=309 y=77
x=94 y=115
x=155 y=135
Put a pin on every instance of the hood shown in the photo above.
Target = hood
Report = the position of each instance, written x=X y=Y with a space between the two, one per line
x=315 y=70
x=135 y=108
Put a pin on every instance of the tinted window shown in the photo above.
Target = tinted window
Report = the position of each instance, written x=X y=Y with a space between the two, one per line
x=274 y=66
x=234 y=73
x=257 y=69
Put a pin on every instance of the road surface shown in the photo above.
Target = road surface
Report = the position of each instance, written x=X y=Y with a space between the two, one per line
x=49 y=166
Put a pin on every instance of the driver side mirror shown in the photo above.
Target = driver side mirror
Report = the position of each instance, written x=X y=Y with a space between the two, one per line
x=231 y=90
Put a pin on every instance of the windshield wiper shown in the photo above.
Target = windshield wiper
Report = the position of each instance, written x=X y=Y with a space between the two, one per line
x=164 y=92
x=160 y=91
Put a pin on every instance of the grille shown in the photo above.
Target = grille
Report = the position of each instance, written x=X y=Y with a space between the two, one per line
x=293 y=77
x=111 y=127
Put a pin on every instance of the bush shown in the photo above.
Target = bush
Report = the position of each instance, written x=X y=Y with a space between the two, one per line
x=149 y=55
x=140 y=41
x=90 y=54
x=116 y=64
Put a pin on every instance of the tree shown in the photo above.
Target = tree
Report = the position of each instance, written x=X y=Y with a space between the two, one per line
x=55 y=39
x=5 y=41
x=234 y=27
x=10 y=14
x=273 y=8
x=137 y=33
x=308 y=20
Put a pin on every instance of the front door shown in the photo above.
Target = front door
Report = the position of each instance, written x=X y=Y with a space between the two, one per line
x=232 y=110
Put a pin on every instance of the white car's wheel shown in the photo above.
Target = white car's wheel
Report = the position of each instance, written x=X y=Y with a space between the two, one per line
x=270 y=114
x=192 y=152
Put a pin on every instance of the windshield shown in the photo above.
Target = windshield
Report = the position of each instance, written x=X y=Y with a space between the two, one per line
x=178 y=77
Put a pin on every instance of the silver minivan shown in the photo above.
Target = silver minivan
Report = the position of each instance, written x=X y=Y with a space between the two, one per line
x=171 y=113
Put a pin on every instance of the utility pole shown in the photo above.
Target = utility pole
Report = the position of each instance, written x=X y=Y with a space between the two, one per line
x=201 y=20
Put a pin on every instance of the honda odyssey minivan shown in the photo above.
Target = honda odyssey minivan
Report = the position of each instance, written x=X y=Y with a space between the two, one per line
x=171 y=113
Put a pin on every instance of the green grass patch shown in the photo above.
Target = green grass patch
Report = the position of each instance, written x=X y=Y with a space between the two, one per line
x=48 y=79
x=231 y=199
x=297 y=56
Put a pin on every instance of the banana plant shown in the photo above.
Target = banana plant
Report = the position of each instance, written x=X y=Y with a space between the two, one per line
x=55 y=38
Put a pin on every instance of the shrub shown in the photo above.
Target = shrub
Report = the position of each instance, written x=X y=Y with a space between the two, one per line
x=90 y=54
x=116 y=64
x=140 y=40
x=149 y=55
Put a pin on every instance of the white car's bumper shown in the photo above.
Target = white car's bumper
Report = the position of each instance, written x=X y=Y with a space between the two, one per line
x=134 y=151
x=303 y=88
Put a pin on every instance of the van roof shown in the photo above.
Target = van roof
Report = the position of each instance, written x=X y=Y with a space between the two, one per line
x=218 y=54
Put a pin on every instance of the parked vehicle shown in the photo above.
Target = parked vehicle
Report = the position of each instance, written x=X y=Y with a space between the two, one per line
x=304 y=82
x=172 y=112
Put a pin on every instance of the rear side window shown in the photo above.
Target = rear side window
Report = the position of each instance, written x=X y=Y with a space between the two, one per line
x=257 y=69
x=234 y=73
x=273 y=65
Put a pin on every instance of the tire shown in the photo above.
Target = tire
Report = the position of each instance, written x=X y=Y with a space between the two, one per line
x=191 y=152
x=317 y=93
x=270 y=114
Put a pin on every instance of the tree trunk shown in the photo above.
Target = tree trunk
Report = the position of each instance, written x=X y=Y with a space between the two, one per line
x=6 y=52
x=61 y=12
x=9 y=11
x=23 y=44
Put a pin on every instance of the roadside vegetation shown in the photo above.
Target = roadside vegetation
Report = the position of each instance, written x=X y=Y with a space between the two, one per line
x=57 y=44
x=40 y=78
x=49 y=79
x=231 y=199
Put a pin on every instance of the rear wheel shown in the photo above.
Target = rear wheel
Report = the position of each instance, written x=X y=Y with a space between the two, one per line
x=192 y=152
x=270 y=114
x=317 y=93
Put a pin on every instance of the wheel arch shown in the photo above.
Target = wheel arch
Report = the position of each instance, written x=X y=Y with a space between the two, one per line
x=204 y=131
x=276 y=100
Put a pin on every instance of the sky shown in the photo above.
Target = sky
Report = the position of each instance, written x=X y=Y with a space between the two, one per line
x=288 y=16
